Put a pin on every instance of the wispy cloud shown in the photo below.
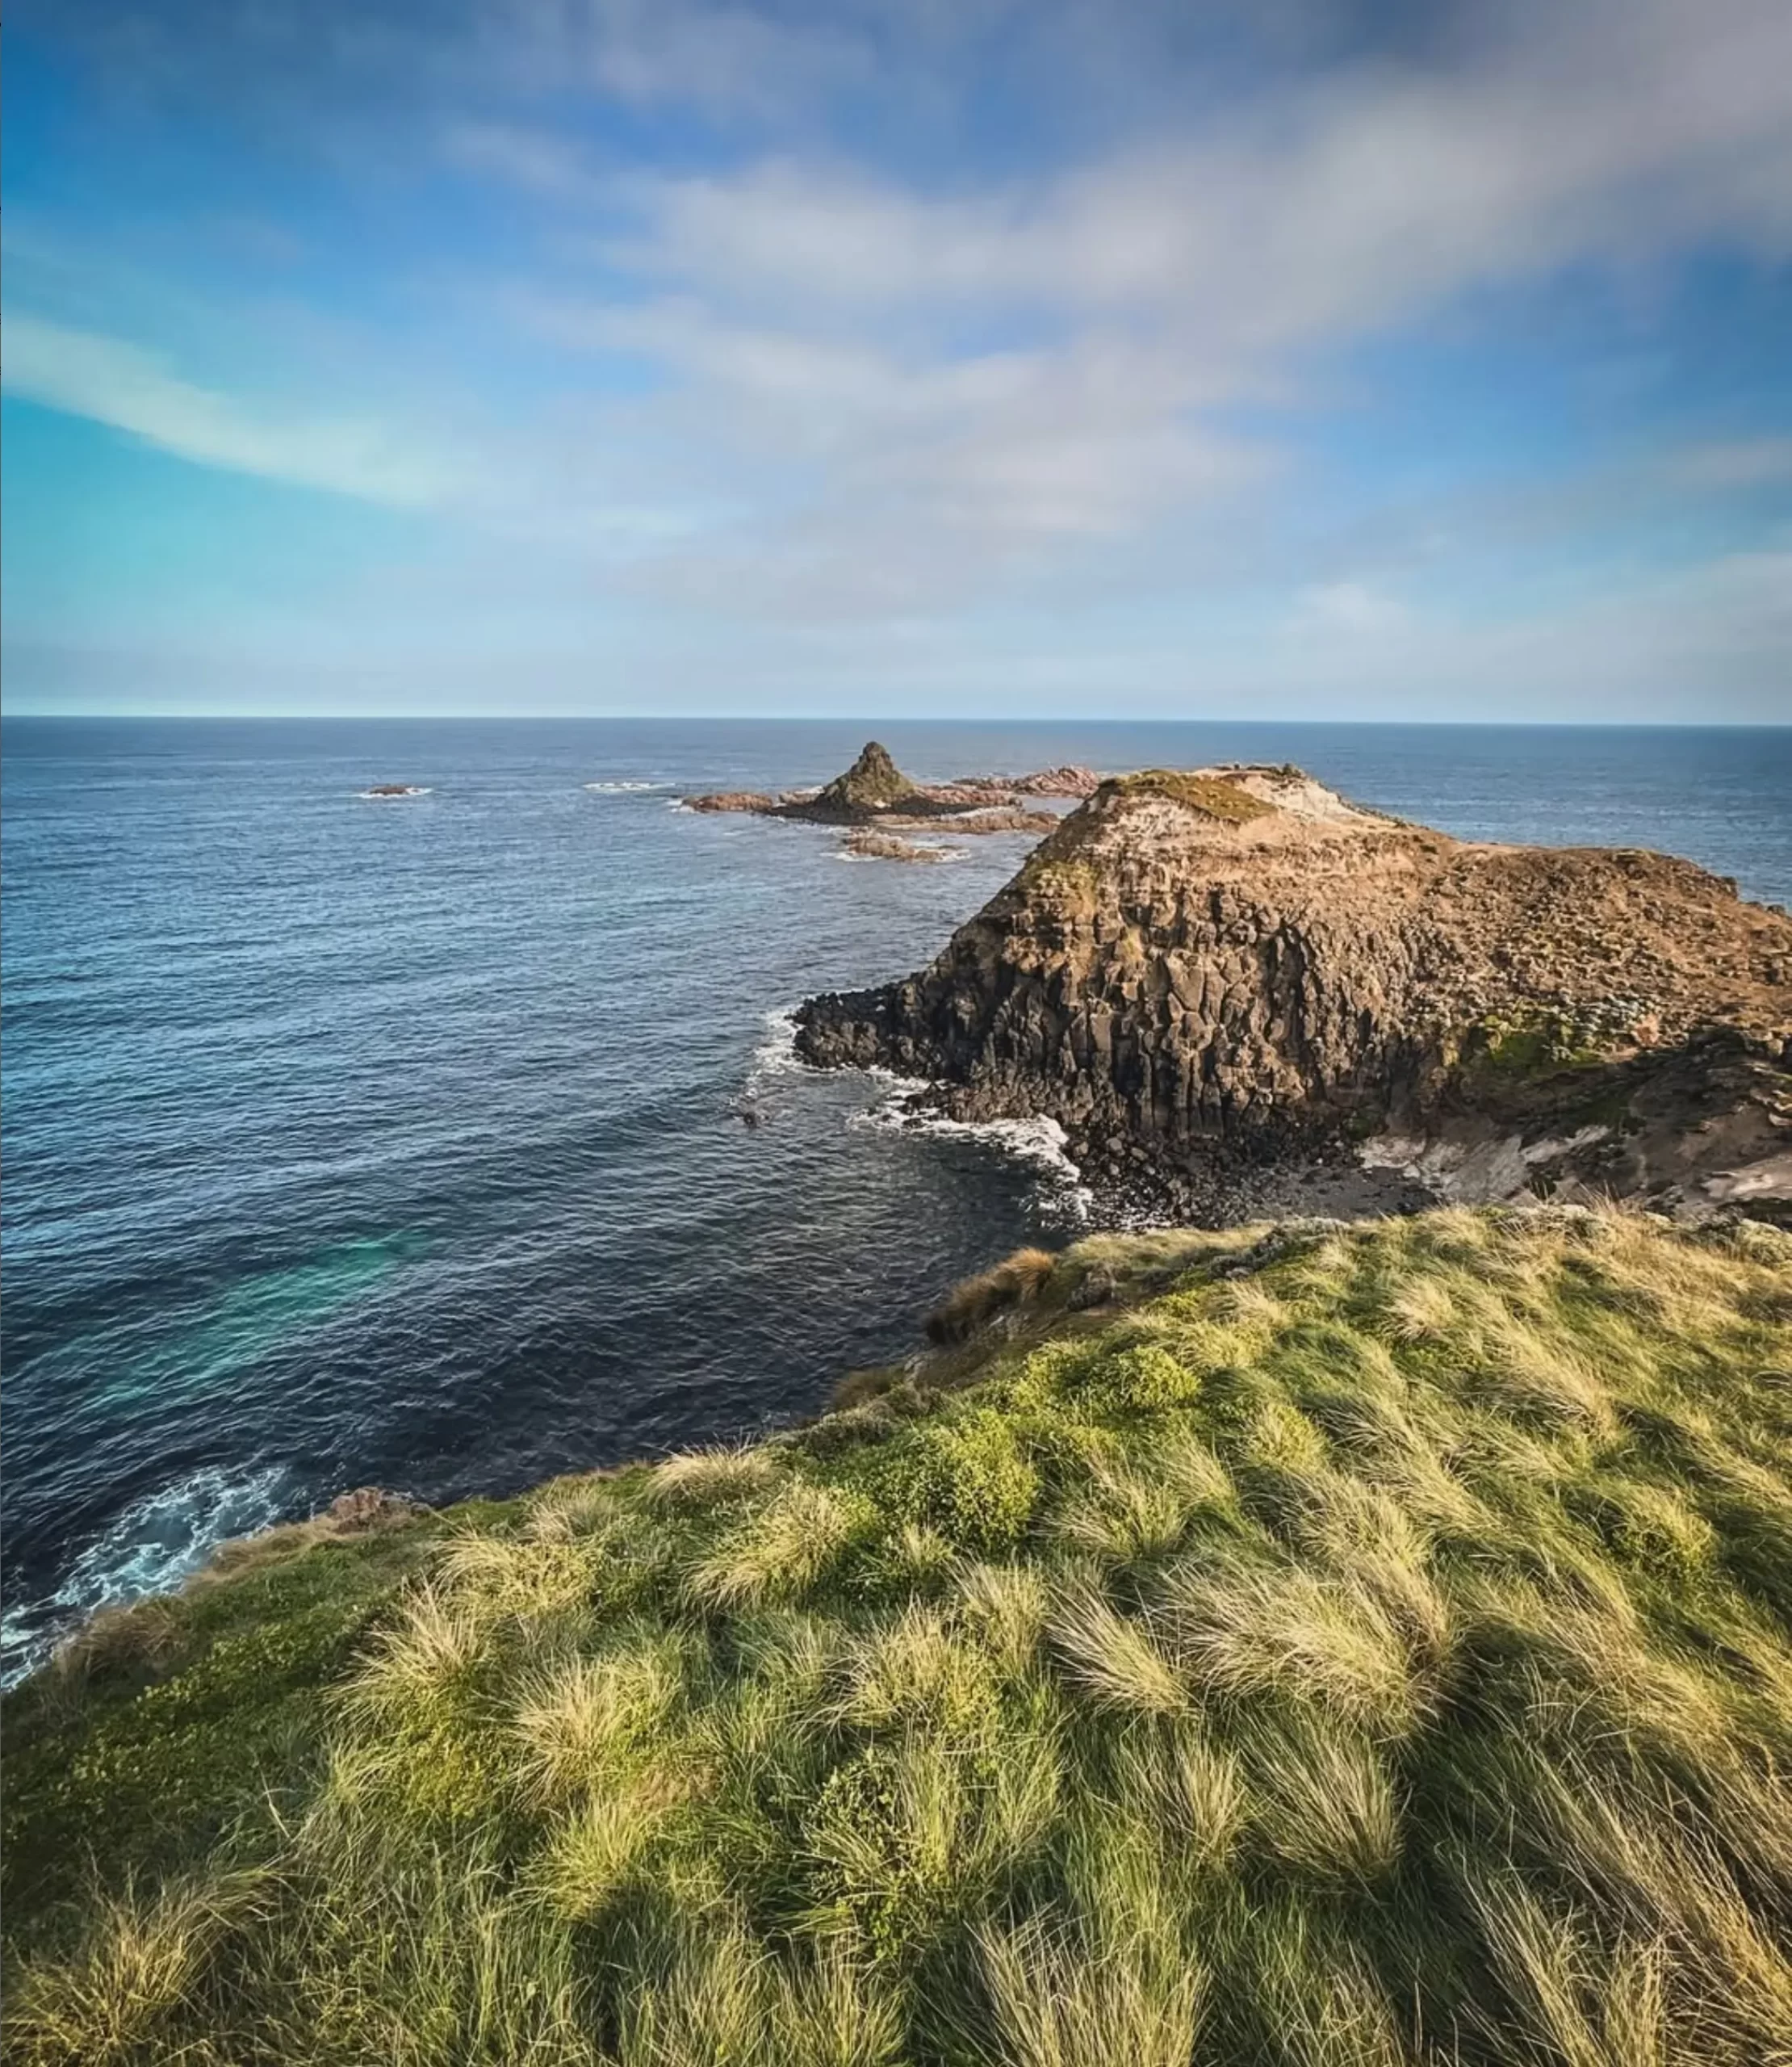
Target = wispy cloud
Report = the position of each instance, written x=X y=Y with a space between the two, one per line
x=1351 y=607
x=1036 y=362
x=1734 y=463
x=115 y=383
x=818 y=315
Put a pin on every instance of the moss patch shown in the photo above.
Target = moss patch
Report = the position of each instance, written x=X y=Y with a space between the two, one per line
x=1210 y=795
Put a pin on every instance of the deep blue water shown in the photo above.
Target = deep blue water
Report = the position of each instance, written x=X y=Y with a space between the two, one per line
x=349 y=1142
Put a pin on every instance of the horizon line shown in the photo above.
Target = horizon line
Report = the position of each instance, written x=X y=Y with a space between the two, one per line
x=886 y=718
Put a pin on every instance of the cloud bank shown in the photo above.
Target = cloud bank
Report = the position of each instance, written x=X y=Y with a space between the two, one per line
x=995 y=321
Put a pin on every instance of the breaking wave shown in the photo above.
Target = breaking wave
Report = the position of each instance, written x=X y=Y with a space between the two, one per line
x=1039 y=1140
x=149 y=1548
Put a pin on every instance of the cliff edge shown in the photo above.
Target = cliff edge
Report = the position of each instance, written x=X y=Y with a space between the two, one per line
x=1203 y=973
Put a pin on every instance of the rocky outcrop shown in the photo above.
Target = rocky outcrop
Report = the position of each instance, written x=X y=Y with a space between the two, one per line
x=755 y=800
x=868 y=846
x=1003 y=818
x=971 y=789
x=872 y=786
x=1199 y=975
x=875 y=791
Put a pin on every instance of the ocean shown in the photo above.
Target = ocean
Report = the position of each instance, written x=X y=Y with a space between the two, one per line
x=400 y=1141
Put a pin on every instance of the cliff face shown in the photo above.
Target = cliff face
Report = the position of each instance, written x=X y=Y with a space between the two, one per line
x=1212 y=969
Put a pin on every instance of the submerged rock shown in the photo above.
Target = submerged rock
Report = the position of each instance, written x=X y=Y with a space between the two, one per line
x=1229 y=972
x=865 y=845
x=732 y=800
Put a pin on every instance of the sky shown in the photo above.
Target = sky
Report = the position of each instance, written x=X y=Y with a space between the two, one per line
x=1154 y=358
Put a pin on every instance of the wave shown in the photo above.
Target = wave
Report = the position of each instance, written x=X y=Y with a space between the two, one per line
x=624 y=788
x=776 y=1056
x=156 y=1543
x=395 y=792
x=1038 y=1140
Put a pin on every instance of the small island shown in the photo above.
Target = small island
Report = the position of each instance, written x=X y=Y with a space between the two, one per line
x=874 y=792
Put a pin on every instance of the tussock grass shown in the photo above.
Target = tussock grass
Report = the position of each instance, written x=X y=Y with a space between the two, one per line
x=574 y=1724
x=1114 y=1659
x=1245 y=1630
x=709 y=1477
x=1363 y=1646
x=778 y=1550
x=145 y=1959
x=973 y=1302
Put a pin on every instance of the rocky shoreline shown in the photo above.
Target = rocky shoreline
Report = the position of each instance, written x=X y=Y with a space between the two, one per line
x=1238 y=994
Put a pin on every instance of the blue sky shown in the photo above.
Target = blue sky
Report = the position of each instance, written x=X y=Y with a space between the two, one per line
x=1262 y=358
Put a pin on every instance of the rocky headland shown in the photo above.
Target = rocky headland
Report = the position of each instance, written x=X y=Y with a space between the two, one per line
x=1235 y=990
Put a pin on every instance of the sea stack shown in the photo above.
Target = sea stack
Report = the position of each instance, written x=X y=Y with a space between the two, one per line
x=874 y=790
x=873 y=784
x=1233 y=968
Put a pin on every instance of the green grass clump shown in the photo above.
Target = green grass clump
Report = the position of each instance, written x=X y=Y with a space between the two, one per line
x=1368 y=1645
x=1211 y=795
x=1535 y=1042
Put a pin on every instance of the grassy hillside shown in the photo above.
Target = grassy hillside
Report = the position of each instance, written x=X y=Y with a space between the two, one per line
x=1366 y=1645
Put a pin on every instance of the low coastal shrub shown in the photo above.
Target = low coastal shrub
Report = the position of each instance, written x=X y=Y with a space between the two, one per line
x=1367 y=1645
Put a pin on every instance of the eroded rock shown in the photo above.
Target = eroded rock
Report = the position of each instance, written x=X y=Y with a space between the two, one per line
x=1204 y=973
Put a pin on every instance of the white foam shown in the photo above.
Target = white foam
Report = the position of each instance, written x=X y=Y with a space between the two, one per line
x=776 y=1055
x=1038 y=1140
x=625 y=789
x=396 y=795
x=149 y=1548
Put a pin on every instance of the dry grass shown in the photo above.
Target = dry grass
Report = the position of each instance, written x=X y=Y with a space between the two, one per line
x=709 y=1477
x=975 y=1302
x=144 y=1958
x=1114 y=1659
x=778 y=1551
x=1382 y=1659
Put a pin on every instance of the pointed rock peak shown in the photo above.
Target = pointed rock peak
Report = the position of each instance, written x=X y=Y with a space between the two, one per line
x=871 y=781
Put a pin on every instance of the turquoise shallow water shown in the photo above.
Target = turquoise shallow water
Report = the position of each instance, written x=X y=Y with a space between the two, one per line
x=349 y=1141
